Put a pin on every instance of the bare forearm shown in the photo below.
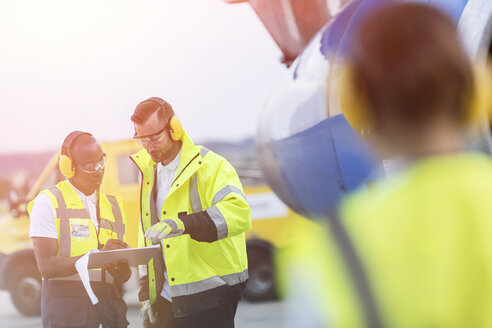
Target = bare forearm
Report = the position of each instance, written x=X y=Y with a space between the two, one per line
x=49 y=263
x=57 y=266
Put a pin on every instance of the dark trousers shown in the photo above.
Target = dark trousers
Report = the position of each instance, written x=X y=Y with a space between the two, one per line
x=219 y=317
x=66 y=304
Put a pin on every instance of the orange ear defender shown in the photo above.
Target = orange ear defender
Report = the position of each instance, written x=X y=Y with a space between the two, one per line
x=175 y=128
x=65 y=160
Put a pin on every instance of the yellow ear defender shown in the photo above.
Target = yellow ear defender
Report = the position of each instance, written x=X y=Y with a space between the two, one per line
x=354 y=107
x=65 y=160
x=66 y=167
x=482 y=99
x=352 y=104
x=175 y=128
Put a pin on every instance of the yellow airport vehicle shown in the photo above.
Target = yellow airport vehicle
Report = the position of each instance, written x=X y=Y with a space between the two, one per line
x=18 y=270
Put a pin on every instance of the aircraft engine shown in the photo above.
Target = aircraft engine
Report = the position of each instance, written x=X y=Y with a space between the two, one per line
x=309 y=153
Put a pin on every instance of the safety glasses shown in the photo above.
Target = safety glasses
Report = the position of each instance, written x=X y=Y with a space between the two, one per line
x=92 y=167
x=155 y=137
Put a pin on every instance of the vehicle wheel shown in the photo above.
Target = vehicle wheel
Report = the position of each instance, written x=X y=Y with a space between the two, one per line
x=25 y=289
x=261 y=284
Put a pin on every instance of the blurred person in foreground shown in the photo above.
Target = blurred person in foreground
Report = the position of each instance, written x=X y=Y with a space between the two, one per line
x=193 y=205
x=67 y=221
x=413 y=250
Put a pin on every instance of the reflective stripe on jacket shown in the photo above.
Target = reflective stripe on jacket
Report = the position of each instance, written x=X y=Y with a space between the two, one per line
x=205 y=190
x=77 y=234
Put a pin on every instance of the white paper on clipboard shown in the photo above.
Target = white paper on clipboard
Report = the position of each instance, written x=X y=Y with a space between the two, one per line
x=81 y=266
x=134 y=256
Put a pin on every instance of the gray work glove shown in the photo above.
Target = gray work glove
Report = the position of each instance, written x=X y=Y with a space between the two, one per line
x=165 y=229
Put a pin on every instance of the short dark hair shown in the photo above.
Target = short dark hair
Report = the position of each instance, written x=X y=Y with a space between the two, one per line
x=410 y=66
x=148 y=107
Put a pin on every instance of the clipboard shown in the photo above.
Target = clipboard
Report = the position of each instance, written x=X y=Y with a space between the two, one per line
x=134 y=256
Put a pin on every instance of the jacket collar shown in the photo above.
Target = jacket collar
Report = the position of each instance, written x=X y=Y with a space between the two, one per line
x=189 y=153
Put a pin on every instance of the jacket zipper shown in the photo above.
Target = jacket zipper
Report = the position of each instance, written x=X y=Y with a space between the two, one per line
x=184 y=169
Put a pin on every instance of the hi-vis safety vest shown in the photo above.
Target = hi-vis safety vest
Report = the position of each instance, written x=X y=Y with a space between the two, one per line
x=204 y=181
x=422 y=240
x=77 y=234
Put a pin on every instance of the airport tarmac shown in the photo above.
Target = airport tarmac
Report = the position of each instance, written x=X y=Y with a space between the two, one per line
x=249 y=315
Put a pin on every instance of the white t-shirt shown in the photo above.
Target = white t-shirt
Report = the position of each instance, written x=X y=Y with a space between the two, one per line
x=43 y=214
x=165 y=176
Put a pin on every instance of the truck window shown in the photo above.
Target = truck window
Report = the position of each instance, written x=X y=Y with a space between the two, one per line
x=127 y=171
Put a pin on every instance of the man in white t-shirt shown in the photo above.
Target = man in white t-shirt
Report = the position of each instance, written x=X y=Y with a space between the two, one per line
x=68 y=220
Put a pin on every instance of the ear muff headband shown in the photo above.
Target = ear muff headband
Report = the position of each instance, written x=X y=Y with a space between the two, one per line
x=65 y=160
x=176 y=129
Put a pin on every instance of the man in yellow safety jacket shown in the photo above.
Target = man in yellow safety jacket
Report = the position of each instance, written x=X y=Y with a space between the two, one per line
x=67 y=221
x=414 y=248
x=193 y=204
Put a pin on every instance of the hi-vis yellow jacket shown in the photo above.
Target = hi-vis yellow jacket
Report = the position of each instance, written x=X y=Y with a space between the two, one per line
x=77 y=234
x=423 y=246
x=206 y=266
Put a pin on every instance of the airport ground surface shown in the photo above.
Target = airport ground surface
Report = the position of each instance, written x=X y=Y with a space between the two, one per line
x=249 y=315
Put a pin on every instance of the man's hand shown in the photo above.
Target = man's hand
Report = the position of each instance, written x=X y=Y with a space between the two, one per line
x=120 y=270
x=165 y=229
x=114 y=244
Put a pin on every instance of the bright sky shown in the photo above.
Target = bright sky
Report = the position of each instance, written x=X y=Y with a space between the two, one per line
x=84 y=65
